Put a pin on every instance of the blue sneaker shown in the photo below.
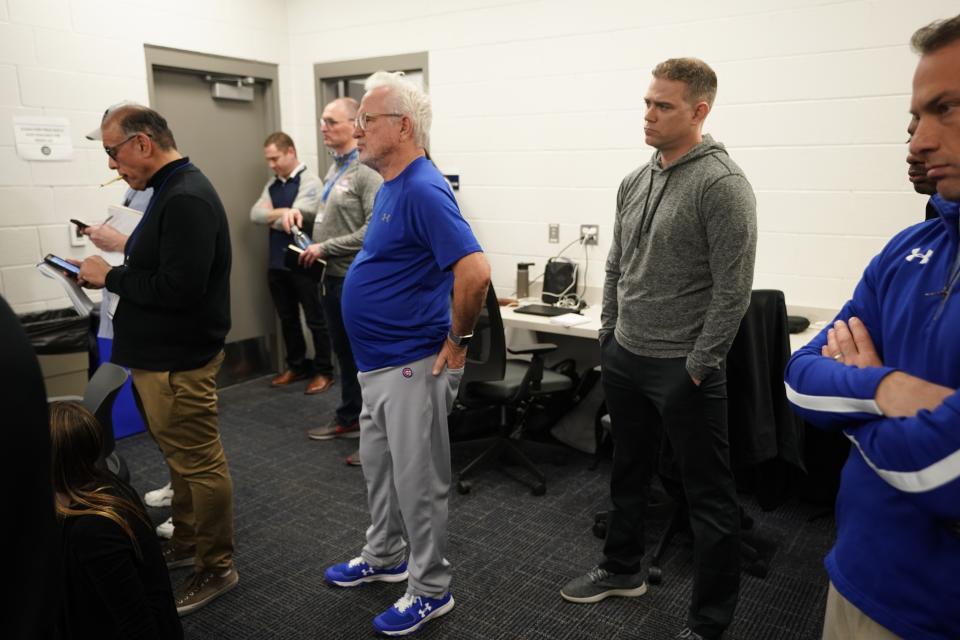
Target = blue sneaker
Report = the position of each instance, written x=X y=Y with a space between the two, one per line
x=357 y=572
x=410 y=612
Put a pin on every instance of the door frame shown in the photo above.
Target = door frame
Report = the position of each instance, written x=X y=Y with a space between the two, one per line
x=179 y=60
x=326 y=71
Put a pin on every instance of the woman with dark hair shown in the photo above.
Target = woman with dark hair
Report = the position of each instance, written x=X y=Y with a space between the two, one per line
x=116 y=583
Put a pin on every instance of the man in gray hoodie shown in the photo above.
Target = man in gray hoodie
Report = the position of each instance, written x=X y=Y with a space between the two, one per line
x=679 y=276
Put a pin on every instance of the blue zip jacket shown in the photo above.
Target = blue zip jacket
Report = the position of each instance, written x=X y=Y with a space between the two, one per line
x=897 y=555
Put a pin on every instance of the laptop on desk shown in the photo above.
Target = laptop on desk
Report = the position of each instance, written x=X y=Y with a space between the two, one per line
x=548 y=310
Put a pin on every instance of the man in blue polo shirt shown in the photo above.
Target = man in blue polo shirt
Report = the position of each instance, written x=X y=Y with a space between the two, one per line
x=409 y=342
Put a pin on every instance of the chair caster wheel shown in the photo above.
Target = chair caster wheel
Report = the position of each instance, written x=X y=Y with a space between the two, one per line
x=654 y=575
x=539 y=489
x=463 y=488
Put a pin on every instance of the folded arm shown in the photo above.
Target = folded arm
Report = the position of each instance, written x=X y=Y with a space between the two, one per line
x=262 y=211
x=918 y=455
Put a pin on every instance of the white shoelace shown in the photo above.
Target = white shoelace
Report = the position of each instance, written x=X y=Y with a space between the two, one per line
x=405 y=602
x=597 y=574
x=355 y=562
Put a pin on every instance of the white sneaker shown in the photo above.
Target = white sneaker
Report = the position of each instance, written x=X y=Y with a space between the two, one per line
x=165 y=529
x=161 y=497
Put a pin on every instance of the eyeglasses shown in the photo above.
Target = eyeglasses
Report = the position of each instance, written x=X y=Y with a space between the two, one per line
x=364 y=118
x=112 y=151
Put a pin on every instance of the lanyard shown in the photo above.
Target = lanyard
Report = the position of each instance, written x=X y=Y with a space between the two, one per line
x=128 y=249
x=346 y=165
x=647 y=218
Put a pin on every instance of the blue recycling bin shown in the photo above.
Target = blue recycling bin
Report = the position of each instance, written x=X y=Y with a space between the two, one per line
x=127 y=420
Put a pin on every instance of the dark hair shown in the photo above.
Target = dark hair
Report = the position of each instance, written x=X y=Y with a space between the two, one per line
x=76 y=440
x=139 y=119
x=280 y=140
x=700 y=79
x=936 y=35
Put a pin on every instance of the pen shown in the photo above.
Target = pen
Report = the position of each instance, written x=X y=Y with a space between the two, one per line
x=111 y=181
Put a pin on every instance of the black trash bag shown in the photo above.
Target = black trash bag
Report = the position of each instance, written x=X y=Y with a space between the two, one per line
x=57 y=331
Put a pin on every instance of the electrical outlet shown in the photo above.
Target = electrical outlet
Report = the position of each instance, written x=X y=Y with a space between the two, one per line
x=589 y=233
x=77 y=239
x=553 y=234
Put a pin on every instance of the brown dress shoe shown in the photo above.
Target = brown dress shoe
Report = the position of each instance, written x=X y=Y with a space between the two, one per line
x=286 y=378
x=318 y=384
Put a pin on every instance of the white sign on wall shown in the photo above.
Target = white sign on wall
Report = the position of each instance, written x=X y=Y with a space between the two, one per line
x=41 y=138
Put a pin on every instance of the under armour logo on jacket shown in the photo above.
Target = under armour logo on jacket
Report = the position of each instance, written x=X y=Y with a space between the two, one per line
x=924 y=257
x=386 y=217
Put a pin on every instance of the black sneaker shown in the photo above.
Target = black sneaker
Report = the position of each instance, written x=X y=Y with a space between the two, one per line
x=599 y=583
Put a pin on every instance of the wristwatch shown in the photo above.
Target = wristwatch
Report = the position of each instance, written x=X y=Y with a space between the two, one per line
x=460 y=341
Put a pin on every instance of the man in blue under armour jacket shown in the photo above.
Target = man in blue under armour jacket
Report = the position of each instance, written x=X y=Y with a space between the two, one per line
x=887 y=373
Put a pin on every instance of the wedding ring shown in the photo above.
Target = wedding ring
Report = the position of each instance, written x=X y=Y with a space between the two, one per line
x=838 y=357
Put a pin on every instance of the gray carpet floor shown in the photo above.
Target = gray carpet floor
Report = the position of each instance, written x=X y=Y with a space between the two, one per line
x=299 y=508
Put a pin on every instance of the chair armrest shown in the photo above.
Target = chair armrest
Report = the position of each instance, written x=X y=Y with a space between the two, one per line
x=535 y=349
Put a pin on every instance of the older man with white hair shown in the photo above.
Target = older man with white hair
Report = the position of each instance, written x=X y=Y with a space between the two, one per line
x=409 y=341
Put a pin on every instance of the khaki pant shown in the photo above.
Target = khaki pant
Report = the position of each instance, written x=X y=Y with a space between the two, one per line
x=843 y=621
x=181 y=412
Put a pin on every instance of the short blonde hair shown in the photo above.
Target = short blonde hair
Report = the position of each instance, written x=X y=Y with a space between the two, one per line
x=700 y=79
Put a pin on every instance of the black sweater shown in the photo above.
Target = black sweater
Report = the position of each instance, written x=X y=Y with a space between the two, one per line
x=174 y=289
x=108 y=591
x=29 y=532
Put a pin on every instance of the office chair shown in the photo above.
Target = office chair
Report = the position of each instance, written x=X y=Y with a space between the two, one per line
x=511 y=385
x=98 y=398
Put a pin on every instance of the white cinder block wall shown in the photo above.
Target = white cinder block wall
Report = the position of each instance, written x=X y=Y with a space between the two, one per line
x=73 y=58
x=538 y=107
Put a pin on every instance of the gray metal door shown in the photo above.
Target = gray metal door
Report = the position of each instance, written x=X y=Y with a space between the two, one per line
x=224 y=139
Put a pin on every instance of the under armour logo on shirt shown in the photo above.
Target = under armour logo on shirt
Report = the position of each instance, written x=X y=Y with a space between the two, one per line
x=924 y=257
x=386 y=217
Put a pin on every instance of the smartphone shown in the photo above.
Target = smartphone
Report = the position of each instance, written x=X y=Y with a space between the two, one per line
x=80 y=225
x=62 y=264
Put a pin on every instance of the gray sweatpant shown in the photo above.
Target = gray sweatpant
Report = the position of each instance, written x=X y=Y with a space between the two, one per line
x=405 y=452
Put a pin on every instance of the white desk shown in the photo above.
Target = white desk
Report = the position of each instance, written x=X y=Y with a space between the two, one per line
x=818 y=319
x=542 y=323
x=578 y=343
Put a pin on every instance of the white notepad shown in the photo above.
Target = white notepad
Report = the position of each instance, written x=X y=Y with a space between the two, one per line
x=124 y=220
x=570 y=319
